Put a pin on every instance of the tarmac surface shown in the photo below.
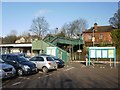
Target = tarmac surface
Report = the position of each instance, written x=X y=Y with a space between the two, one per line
x=73 y=75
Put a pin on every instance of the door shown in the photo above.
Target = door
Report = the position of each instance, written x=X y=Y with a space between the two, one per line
x=39 y=61
x=13 y=61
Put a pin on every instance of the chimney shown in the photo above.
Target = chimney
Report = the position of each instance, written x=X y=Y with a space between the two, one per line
x=95 y=26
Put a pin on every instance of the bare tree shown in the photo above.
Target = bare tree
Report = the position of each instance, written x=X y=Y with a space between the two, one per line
x=10 y=38
x=115 y=20
x=25 y=34
x=79 y=25
x=39 y=27
x=13 y=33
x=66 y=30
x=73 y=28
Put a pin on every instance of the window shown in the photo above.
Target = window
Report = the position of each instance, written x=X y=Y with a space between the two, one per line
x=90 y=37
x=4 y=57
x=101 y=36
x=12 y=58
x=33 y=59
x=22 y=59
x=49 y=59
x=39 y=59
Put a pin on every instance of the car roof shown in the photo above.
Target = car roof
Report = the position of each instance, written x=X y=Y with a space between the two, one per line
x=43 y=56
x=12 y=54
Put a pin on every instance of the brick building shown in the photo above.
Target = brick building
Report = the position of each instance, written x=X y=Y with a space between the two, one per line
x=101 y=35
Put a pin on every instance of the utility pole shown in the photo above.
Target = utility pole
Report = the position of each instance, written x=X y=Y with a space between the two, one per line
x=93 y=37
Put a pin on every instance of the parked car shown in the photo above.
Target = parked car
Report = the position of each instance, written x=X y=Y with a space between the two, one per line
x=45 y=63
x=6 y=70
x=59 y=62
x=24 y=55
x=20 y=63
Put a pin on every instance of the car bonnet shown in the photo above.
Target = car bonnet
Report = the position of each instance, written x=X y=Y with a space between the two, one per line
x=5 y=65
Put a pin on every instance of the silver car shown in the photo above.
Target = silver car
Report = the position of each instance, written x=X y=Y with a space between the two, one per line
x=45 y=63
x=6 y=70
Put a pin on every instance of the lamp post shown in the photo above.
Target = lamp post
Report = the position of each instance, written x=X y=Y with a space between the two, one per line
x=93 y=37
x=79 y=50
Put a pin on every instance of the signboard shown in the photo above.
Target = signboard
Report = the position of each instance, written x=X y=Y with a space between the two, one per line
x=92 y=55
x=102 y=52
x=51 y=51
x=79 y=51
x=99 y=54
x=111 y=53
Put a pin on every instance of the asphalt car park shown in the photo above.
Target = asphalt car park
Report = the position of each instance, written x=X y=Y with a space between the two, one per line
x=73 y=75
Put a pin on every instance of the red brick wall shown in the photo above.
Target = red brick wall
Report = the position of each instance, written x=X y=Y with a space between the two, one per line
x=105 y=37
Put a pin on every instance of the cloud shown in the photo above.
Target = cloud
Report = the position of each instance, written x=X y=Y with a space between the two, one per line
x=42 y=12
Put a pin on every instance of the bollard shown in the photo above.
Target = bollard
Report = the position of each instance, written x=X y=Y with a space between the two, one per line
x=86 y=61
x=86 y=58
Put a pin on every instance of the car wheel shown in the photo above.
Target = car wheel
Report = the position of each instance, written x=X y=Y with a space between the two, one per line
x=20 y=72
x=45 y=69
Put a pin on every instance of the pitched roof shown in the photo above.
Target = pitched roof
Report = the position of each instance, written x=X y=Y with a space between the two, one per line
x=100 y=29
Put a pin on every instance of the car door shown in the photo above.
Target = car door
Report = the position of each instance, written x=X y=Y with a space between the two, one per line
x=13 y=61
x=33 y=60
x=7 y=59
x=40 y=62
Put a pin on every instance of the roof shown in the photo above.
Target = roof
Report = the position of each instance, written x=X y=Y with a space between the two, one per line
x=100 y=29
x=15 y=45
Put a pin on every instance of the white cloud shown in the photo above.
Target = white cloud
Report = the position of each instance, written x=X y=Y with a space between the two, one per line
x=42 y=12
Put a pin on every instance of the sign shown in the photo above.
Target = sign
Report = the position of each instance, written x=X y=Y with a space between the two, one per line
x=79 y=50
x=51 y=51
x=93 y=39
x=102 y=52
x=92 y=53
x=99 y=54
x=111 y=53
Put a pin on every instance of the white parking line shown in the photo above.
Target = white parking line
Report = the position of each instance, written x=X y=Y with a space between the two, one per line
x=50 y=74
x=40 y=72
x=45 y=76
x=69 y=68
x=22 y=77
x=16 y=83
x=83 y=66
x=27 y=78
x=39 y=77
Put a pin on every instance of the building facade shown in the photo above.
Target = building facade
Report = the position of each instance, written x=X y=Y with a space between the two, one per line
x=98 y=35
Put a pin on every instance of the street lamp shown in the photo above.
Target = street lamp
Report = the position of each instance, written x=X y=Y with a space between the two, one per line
x=79 y=51
x=93 y=37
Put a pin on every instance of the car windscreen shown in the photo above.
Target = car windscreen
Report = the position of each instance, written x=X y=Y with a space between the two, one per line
x=1 y=61
x=55 y=58
x=49 y=59
x=22 y=59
